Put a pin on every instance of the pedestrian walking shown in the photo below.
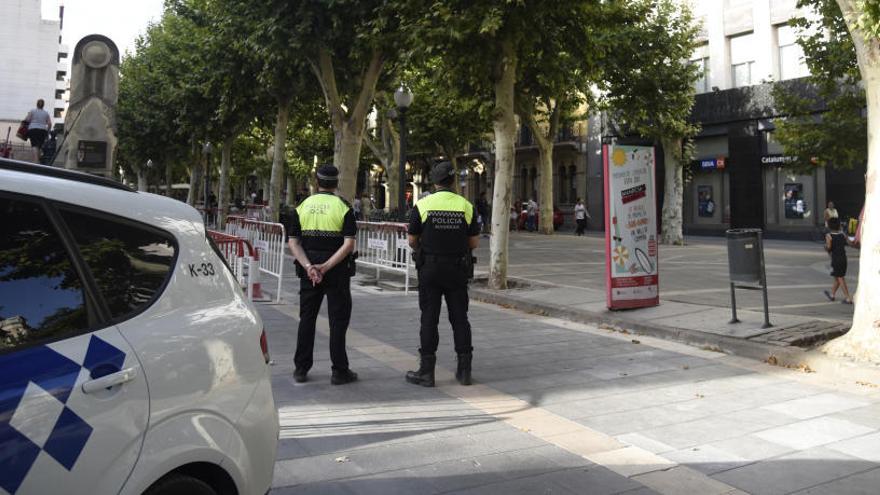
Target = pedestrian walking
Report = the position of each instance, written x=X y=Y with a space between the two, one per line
x=532 y=215
x=443 y=231
x=322 y=233
x=39 y=124
x=835 y=244
x=581 y=215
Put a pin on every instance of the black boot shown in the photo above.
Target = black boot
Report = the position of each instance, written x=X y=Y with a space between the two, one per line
x=463 y=373
x=425 y=375
x=341 y=377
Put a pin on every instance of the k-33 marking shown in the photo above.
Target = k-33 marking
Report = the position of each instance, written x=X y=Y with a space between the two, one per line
x=201 y=270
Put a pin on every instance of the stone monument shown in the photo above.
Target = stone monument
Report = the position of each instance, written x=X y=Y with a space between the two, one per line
x=89 y=142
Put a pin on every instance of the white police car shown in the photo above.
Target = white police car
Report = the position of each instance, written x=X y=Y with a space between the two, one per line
x=130 y=362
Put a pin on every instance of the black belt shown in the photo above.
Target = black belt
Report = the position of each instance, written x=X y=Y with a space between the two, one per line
x=444 y=258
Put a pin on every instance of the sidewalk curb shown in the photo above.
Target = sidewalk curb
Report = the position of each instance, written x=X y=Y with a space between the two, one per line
x=789 y=357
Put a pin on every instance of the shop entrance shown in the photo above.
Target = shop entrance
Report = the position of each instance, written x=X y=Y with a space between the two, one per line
x=746 y=184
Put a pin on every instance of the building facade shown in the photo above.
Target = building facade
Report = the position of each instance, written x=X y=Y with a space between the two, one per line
x=33 y=64
x=741 y=177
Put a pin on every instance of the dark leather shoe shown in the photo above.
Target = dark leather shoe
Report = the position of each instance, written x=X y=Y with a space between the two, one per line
x=341 y=377
x=300 y=375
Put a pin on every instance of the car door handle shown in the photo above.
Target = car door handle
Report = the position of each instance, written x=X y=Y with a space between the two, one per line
x=110 y=380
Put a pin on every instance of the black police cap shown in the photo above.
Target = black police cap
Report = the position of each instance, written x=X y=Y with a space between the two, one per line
x=442 y=172
x=328 y=172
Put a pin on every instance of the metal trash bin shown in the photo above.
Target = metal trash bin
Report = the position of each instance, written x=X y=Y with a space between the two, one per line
x=745 y=259
x=745 y=256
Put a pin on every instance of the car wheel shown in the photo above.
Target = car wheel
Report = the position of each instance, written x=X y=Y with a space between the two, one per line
x=179 y=484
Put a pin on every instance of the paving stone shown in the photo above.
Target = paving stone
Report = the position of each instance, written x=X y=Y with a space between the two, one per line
x=864 y=483
x=630 y=461
x=643 y=442
x=706 y=459
x=793 y=472
x=817 y=405
x=866 y=416
x=814 y=432
x=681 y=479
x=866 y=447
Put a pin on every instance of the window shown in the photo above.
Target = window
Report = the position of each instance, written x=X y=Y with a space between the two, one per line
x=572 y=184
x=742 y=59
x=523 y=184
x=129 y=263
x=701 y=85
x=791 y=55
x=57 y=113
x=41 y=295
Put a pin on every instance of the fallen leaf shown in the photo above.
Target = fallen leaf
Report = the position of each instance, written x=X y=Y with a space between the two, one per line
x=634 y=341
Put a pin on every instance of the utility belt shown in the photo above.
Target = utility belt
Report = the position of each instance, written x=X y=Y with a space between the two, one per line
x=465 y=260
x=347 y=266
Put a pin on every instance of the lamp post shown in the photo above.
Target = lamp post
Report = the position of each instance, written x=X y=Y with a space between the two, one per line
x=403 y=98
x=207 y=149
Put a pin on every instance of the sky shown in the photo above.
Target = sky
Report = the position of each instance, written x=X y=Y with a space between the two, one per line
x=120 y=20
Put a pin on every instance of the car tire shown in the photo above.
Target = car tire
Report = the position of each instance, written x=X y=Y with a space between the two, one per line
x=179 y=484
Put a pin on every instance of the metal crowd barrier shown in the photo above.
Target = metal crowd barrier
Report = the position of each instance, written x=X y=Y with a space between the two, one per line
x=241 y=258
x=383 y=246
x=268 y=239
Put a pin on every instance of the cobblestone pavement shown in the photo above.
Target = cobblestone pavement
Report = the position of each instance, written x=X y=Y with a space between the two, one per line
x=559 y=408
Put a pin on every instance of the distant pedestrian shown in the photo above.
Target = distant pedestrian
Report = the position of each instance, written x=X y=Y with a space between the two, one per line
x=483 y=211
x=357 y=206
x=39 y=124
x=830 y=212
x=581 y=215
x=532 y=215
x=835 y=244
x=514 y=218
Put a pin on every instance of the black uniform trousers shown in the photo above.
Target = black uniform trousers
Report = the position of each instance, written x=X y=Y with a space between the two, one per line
x=439 y=279
x=336 y=285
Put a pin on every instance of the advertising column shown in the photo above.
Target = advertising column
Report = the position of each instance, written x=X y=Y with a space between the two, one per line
x=632 y=279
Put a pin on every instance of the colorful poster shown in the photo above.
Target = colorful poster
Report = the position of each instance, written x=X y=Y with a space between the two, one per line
x=632 y=268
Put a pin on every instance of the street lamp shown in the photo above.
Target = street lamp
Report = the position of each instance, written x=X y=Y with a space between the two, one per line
x=207 y=149
x=403 y=98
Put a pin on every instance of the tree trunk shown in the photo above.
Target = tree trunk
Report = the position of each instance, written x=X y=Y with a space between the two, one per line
x=545 y=185
x=169 y=179
x=142 y=179
x=862 y=342
x=291 y=191
x=671 y=232
x=347 y=157
x=223 y=184
x=504 y=126
x=454 y=161
x=278 y=159
x=192 y=196
x=348 y=130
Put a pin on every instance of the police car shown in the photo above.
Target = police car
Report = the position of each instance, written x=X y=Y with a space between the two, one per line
x=130 y=362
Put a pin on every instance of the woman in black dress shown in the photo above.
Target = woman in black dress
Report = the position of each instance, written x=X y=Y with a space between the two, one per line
x=835 y=244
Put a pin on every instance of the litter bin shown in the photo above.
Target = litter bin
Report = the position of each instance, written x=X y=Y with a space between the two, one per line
x=745 y=258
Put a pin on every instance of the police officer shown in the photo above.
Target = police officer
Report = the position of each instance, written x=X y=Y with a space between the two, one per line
x=443 y=229
x=322 y=232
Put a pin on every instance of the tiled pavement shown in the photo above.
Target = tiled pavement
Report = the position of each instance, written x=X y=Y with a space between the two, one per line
x=559 y=407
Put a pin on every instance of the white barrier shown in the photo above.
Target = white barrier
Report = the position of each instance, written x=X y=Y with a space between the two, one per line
x=269 y=241
x=383 y=246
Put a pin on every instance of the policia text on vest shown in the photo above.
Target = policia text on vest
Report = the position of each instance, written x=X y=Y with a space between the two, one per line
x=322 y=233
x=443 y=229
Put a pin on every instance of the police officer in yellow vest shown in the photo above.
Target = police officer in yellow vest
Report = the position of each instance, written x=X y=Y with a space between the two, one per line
x=322 y=233
x=443 y=229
